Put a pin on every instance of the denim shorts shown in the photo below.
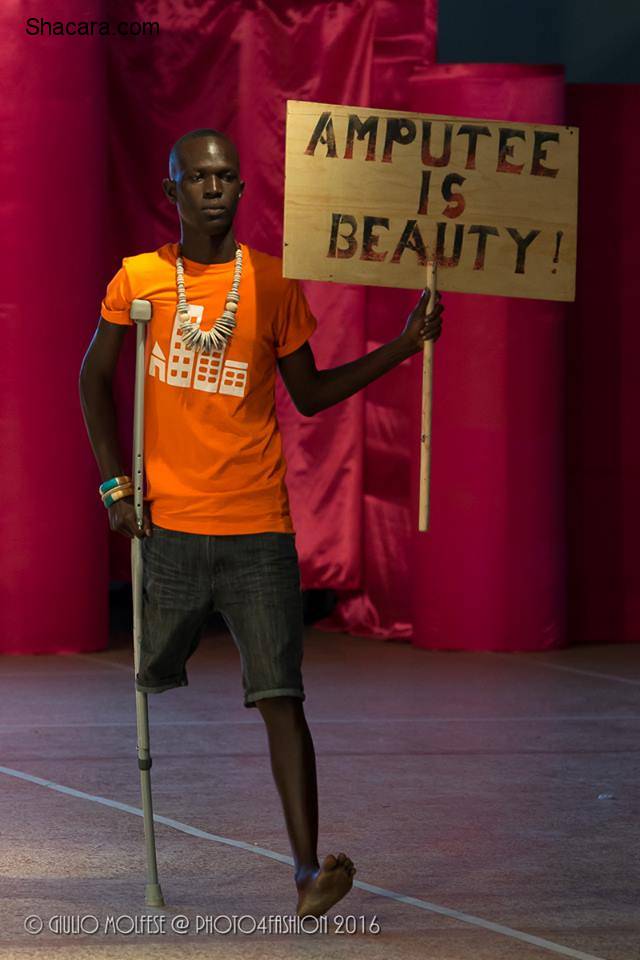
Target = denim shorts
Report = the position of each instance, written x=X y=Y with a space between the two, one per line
x=251 y=579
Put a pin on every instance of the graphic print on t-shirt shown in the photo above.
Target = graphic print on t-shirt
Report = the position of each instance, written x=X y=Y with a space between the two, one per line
x=214 y=458
x=202 y=371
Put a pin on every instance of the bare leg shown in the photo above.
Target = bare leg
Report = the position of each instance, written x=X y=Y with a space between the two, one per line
x=293 y=764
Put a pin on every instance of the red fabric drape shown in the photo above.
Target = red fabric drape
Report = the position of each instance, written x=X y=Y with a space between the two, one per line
x=54 y=548
x=249 y=59
x=490 y=573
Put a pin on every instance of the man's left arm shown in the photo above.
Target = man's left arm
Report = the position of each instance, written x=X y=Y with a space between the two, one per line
x=313 y=390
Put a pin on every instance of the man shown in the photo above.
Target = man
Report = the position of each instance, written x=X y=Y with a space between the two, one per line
x=217 y=528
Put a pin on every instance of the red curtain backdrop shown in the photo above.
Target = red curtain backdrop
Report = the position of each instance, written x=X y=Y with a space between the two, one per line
x=54 y=566
x=603 y=383
x=491 y=572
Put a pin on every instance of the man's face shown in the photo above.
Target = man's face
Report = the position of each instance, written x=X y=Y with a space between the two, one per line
x=206 y=185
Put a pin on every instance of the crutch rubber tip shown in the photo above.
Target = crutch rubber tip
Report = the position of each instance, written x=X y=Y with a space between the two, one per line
x=153 y=895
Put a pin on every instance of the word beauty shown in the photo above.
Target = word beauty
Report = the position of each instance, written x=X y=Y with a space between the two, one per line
x=371 y=195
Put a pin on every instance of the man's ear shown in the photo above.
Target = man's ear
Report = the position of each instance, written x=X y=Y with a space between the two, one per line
x=169 y=188
x=241 y=191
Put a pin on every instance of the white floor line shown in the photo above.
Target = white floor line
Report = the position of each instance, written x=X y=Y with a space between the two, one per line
x=281 y=858
x=104 y=661
x=521 y=659
x=315 y=721
x=45 y=674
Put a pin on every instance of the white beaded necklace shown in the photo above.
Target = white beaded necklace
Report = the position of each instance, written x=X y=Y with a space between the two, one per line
x=218 y=336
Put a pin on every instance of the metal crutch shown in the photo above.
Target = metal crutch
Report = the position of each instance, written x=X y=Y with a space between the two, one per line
x=141 y=313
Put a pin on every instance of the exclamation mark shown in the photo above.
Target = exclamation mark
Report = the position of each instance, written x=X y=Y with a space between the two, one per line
x=559 y=236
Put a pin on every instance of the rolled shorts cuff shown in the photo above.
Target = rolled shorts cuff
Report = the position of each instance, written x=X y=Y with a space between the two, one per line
x=250 y=701
x=163 y=685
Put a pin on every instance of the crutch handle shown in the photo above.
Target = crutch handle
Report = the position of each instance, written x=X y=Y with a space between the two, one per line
x=140 y=311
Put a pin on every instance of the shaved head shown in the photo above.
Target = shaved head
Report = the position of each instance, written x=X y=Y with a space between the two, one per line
x=176 y=163
x=204 y=183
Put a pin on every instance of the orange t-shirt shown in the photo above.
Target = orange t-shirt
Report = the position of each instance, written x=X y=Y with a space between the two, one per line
x=213 y=453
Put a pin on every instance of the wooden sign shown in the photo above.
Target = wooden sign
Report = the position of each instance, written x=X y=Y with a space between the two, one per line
x=371 y=195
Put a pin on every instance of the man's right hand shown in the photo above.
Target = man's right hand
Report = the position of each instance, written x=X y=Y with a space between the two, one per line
x=122 y=519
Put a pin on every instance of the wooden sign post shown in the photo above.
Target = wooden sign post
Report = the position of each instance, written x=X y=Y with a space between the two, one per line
x=427 y=396
x=372 y=196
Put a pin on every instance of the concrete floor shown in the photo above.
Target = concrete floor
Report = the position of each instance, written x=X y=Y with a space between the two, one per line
x=489 y=801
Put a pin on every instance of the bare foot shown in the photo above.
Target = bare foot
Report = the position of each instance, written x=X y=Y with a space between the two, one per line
x=318 y=890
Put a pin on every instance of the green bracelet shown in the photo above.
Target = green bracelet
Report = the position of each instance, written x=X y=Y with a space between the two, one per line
x=114 y=482
x=124 y=491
